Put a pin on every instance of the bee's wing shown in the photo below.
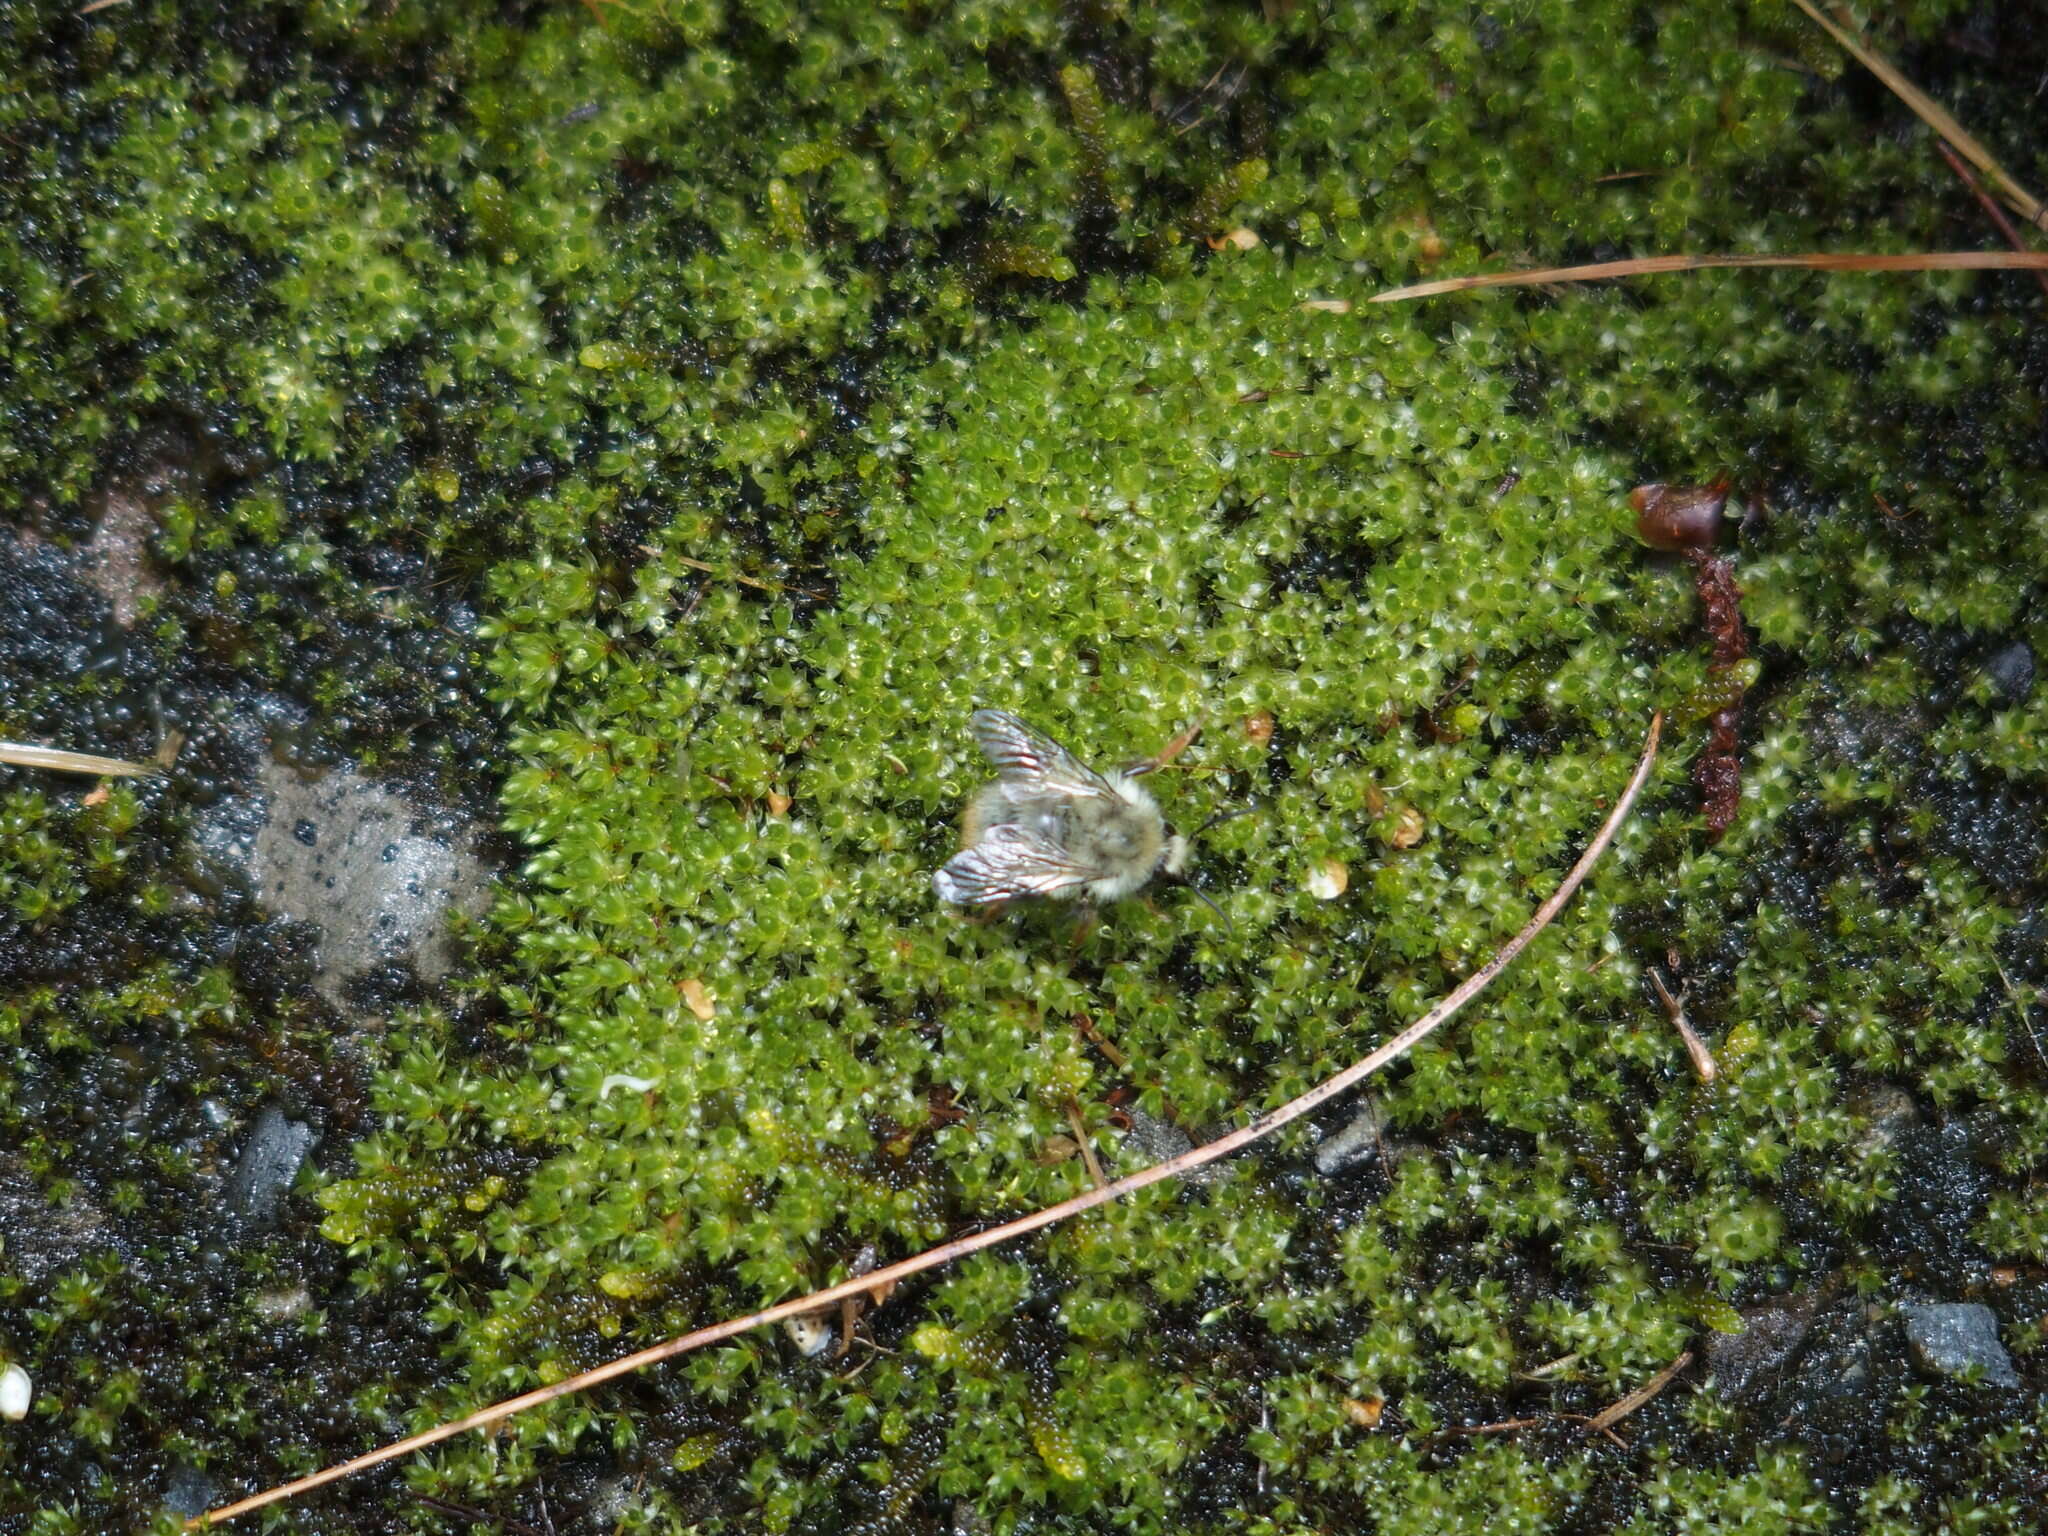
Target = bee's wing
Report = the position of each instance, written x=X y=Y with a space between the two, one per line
x=1031 y=759
x=1006 y=863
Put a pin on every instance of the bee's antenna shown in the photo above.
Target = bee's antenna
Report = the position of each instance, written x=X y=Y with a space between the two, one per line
x=1220 y=817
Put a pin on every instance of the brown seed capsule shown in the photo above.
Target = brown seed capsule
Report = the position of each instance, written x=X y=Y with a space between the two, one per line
x=1409 y=827
x=1679 y=518
x=1364 y=1411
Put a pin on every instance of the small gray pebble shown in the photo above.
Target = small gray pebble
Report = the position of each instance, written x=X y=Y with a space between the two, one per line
x=270 y=1160
x=2011 y=671
x=1154 y=1141
x=1746 y=1364
x=191 y=1492
x=1357 y=1141
x=1948 y=1338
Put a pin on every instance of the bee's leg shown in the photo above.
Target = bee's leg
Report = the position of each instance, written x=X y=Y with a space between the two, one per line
x=1167 y=753
x=982 y=916
x=1085 y=918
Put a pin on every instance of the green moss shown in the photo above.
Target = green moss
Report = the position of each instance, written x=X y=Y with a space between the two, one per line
x=1167 y=564
x=716 y=344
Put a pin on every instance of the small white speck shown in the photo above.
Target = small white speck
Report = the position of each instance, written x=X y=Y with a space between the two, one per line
x=284 y=1305
x=810 y=1334
x=622 y=1080
x=16 y=1392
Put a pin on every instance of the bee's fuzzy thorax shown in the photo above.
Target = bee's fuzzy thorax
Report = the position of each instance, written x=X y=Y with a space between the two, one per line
x=1136 y=841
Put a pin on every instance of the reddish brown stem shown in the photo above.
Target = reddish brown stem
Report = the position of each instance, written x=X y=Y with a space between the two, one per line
x=1718 y=769
x=1988 y=203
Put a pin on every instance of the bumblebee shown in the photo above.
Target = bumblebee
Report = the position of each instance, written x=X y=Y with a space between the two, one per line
x=1052 y=826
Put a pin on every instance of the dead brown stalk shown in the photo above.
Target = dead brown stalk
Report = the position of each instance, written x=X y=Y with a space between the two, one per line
x=1608 y=1417
x=22 y=754
x=1257 y=1129
x=1085 y=1144
x=1933 y=114
x=1674 y=1008
x=1989 y=204
x=1641 y=266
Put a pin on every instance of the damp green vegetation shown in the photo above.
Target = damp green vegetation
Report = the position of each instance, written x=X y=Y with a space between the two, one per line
x=676 y=418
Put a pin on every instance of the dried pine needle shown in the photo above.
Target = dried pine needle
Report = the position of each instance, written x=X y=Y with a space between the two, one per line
x=1823 y=261
x=21 y=754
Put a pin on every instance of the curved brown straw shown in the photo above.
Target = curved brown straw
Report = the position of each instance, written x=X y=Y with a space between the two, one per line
x=945 y=1253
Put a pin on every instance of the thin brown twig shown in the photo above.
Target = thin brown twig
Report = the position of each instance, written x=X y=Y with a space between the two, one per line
x=1372 y=1111
x=746 y=581
x=1102 y=1043
x=1608 y=1417
x=1229 y=94
x=463 y=1511
x=2020 y=1009
x=1501 y=1428
x=1934 y=115
x=640 y=1483
x=691 y=563
x=1257 y=1129
x=1988 y=203
x=1085 y=1143
x=1642 y=266
x=1674 y=1008
x=1592 y=1428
